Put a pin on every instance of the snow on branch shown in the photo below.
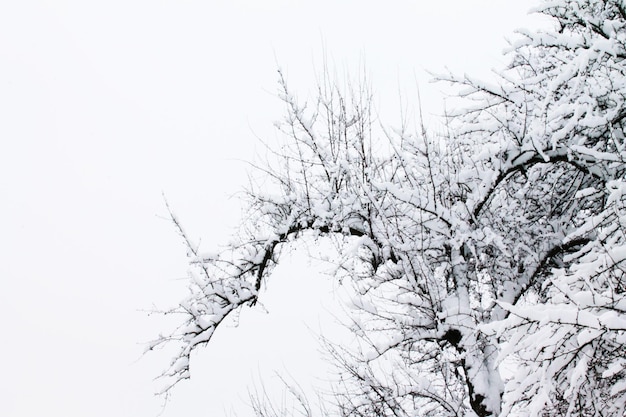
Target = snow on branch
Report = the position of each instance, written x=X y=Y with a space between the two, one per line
x=500 y=242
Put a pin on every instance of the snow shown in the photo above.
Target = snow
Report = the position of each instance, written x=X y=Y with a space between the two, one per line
x=76 y=191
x=614 y=368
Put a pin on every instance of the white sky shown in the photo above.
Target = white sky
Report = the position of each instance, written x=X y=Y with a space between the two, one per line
x=104 y=106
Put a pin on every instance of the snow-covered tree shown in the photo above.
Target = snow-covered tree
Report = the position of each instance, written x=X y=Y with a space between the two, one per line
x=488 y=261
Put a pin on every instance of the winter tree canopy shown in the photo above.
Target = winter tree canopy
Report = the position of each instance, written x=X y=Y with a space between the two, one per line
x=489 y=259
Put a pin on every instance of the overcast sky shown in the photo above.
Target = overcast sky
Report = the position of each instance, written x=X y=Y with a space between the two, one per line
x=105 y=106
